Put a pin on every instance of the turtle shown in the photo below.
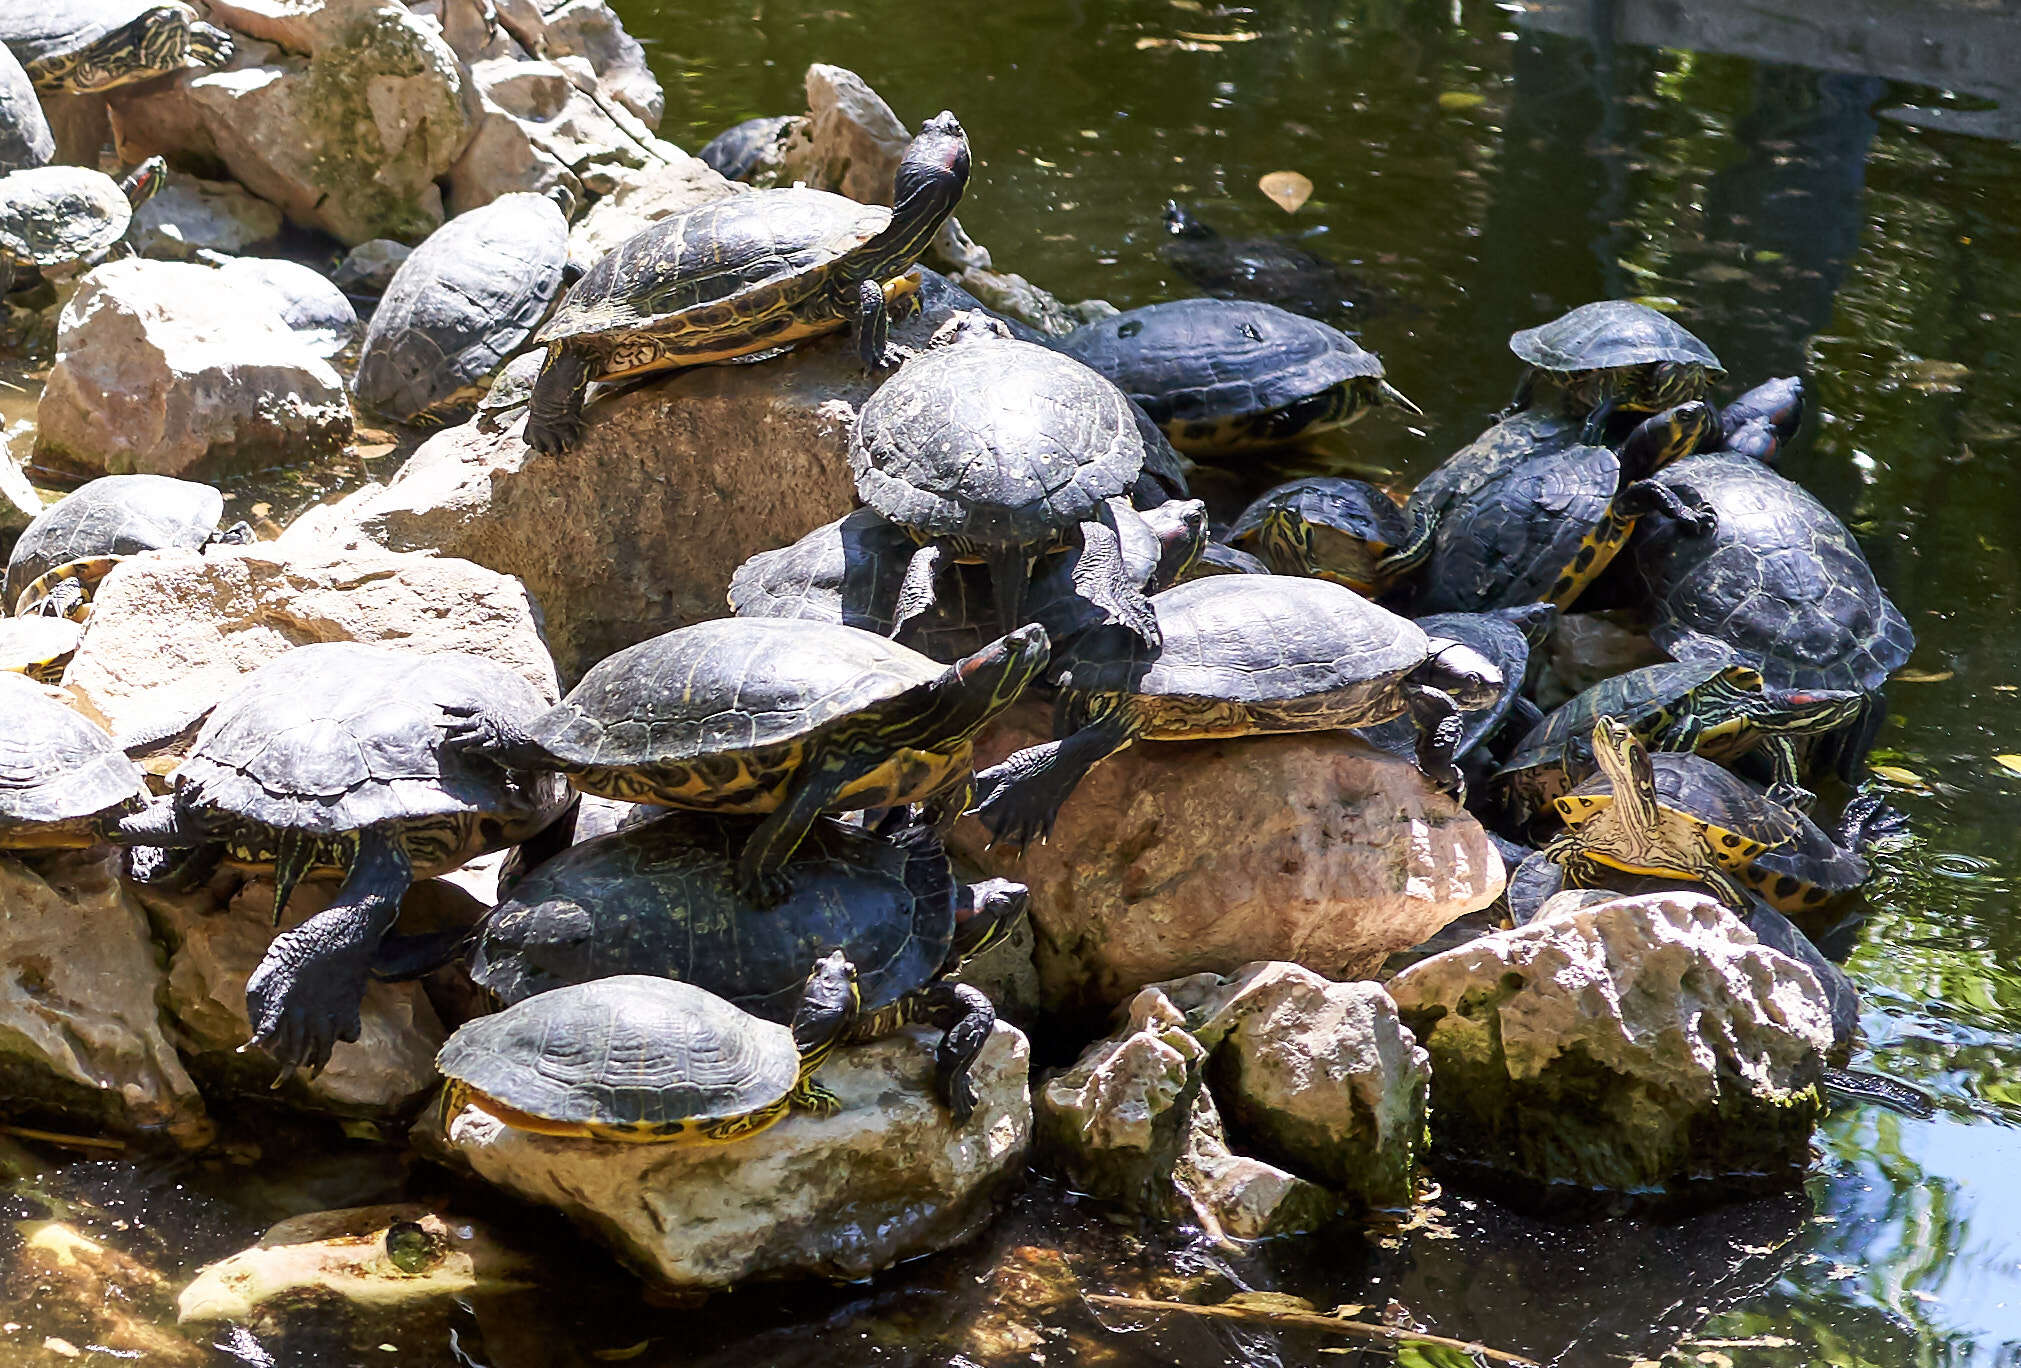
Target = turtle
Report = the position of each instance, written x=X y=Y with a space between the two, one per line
x=1504 y=637
x=1611 y=356
x=742 y=275
x=1224 y=377
x=38 y=645
x=25 y=139
x=1219 y=558
x=1272 y=270
x=646 y=1059
x=510 y=391
x=81 y=46
x=329 y=759
x=1244 y=655
x=769 y=716
x=1761 y=422
x=460 y=306
x=736 y=152
x=73 y=543
x=62 y=778
x=56 y=218
x=1326 y=527
x=661 y=899
x=1530 y=512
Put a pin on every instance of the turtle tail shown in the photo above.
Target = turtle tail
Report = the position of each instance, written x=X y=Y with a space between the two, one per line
x=294 y=854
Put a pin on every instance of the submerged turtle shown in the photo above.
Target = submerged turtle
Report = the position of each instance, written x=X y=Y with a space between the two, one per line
x=467 y=299
x=1762 y=421
x=1224 y=376
x=771 y=716
x=744 y=274
x=90 y=45
x=1326 y=528
x=1504 y=638
x=25 y=139
x=62 y=779
x=1614 y=356
x=639 y=1058
x=56 y=217
x=737 y=150
x=1268 y=269
x=330 y=760
x=1244 y=655
x=73 y=543
x=661 y=899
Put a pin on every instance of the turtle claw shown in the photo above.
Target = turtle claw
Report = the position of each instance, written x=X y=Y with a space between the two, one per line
x=298 y=1018
x=553 y=436
x=1013 y=815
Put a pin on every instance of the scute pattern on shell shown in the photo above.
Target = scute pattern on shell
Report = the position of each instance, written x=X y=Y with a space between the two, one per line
x=38 y=28
x=51 y=215
x=56 y=766
x=1607 y=334
x=115 y=515
x=1507 y=541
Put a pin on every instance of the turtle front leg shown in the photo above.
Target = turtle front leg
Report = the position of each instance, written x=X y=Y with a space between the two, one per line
x=1440 y=726
x=1786 y=776
x=554 y=412
x=1101 y=578
x=1020 y=799
x=761 y=869
x=871 y=327
x=1653 y=496
x=475 y=729
x=965 y=1017
x=159 y=823
x=305 y=995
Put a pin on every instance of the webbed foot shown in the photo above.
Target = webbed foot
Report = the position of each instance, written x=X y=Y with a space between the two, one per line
x=553 y=436
x=1012 y=802
x=817 y=1100
x=304 y=997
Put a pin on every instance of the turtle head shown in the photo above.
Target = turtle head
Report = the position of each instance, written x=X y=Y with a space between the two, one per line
x=980 y=686
x=144 y=180
x=1533 y=620
x=1623 y=758
x=1809 y=710
x=1388 y=394
x=1663 y=437
x=1180 y=525
x=828 y=1005
x=969 y=325
x=985 y=914
x=934 y=170
x=1473 y=680
x=1181 y=224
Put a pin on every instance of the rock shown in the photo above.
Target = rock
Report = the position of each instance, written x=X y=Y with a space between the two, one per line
x=158 y=370
x=312 y=307
x=25 y=139
x=1586 y=648
x=188 y=215
x=370 y=267
x=471 y=29
x=589 y=29
x=82 y=1035
x=887 y=1178
x=159 y=118
x=170 y=632
x=19 y=503
x=1634 y=1045
x=83 y=1298
x=639 y=198
x=1177 y=857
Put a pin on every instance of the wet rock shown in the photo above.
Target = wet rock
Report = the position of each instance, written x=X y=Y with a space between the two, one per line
x=160 y=371
x=25 y=139
x=188 y=215
x=885 y=1179
x=1174 y=858
x=370 y=267
x=1632 y=1045
x=312 y=307
x=83 y=1300
x=82 y=1037
x=637 y=198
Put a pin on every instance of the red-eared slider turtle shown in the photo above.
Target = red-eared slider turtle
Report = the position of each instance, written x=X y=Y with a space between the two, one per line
x=1504 y=638
x=1219 y=558
x=737 y=150
x=62 y=779
x=1227 y=376
x=646 y=1059
x=1614 y=356
x=57 y=217
x=1326 y=528
x=1762 y=421
x=25 y=139
x=742 y=275
x=662 y=899
x=88 y=45
x=465 y=301
x=1268 y=269
x=330 y=760
x=71 y=544
x=1529 y=513
x=769 y=716
x=1244 y=655
x=38 y=645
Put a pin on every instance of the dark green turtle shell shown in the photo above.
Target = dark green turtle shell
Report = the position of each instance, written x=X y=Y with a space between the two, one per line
x=1199 y=360
x=661 y=899
x=343 y=735
x=995 y=441
x=54 y=215
x=1609 y=334
x=736 y=150
x=25 y=139
x=1354 y=508
x=1566 y=735
x=634 y=1050
x=34 y=29
x=1509 y=444
x=1506 y=636
x=56 y=766
x=116 y=515
x=1780 y=584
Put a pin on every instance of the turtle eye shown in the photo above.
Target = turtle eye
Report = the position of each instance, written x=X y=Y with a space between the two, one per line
x=1130 y=329
x=1252 y=332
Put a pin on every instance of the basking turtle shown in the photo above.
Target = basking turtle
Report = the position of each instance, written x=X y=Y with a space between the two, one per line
x=1529 y=512
x=89 y=45
x=1225 y=376
x=661 y=899
x=742 y=275
x=1762 y=421
x=1268 y=269
x=1504 y=638
x=467 y=299
x=54 y=218
x=737 y=150
x=1326 y=528
x=38 y=646
x=330 y=760
x=1614 y=356
x=62 y=779
x=1219 y=558
x=639 y=1058
x=773 y=716
x=25 y=139
x=1244 y=655
x=71 y=544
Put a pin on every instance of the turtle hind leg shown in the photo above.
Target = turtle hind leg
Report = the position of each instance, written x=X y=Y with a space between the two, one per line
x=761 y=868
x=554 y=412
x=1020 y=798
x=474 y=729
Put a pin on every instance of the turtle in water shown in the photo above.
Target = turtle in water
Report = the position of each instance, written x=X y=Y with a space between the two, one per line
x=1614 y=356
x=56 y=218
x=736 y=152
x=1244 y=655
x=661 y=899
x=1504 y=637
x=329 y=760
x=62 y=779
x=1224 y=377
x=1324 y=527
x=1761 y=422
x=72 y=544
x=769 y=716
x=25 y=139
x=640 y=1058
x=1272 y=270
x=742 y=275
x=80 y=46
x=467 y=299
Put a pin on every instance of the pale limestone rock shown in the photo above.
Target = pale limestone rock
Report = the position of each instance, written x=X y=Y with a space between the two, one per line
x=590 y=30
x=19 y=503
x=25 y=139
x=188 y=215
x=639 y=197
x=311 y=306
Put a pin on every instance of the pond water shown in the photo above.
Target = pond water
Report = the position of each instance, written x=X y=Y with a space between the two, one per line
x=1830 y=189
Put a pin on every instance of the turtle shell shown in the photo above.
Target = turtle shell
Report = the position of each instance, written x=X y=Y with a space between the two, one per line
x=1609 y=334
x=1780 y=584
x=116 y=515
x=736 y=150
x=37 y=646
x=994 y=441
x=1511 y=443
x=1566 y=735
x=1354 y=508
x=1696 y=788
x=340 y=736
x=53 y=215
x=57 y=769
x=468 y=298
x=25 y=139
x=1505 y=636
x=47 y=28
x=630 y=1051
x=661 y=899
